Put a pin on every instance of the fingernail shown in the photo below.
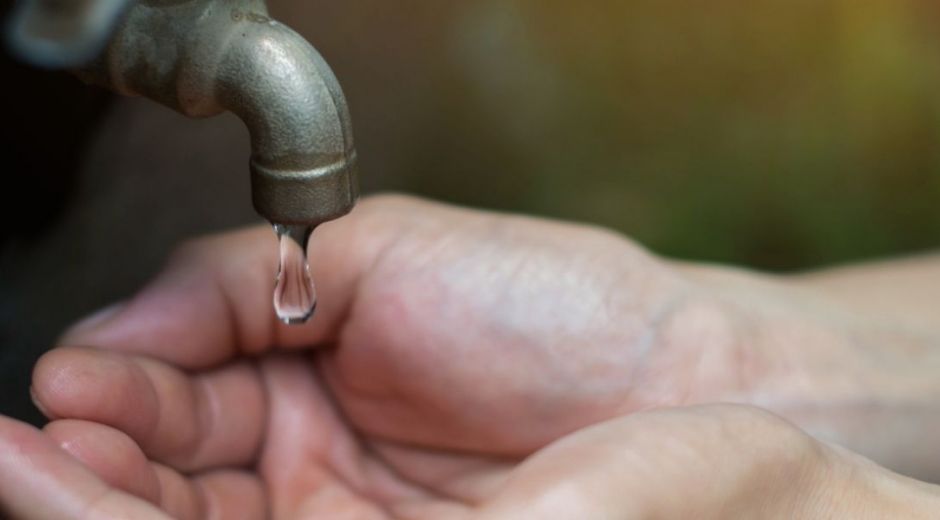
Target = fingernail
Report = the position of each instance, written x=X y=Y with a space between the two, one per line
x=35 y=399
x=95 y=320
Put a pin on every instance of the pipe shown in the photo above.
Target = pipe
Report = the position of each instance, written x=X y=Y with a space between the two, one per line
x=201 y=57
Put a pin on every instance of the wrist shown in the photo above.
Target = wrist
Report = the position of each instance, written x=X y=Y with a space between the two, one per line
x=855 y=379
x=789 y=329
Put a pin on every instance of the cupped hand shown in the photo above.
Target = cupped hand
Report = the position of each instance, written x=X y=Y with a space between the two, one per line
x=448 y=346
x=708 y=462
x=462 y=329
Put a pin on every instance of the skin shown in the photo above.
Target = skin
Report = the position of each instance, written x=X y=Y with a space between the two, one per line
x=467 y=365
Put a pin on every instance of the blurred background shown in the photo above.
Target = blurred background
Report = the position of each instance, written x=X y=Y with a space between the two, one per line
x=778 y=134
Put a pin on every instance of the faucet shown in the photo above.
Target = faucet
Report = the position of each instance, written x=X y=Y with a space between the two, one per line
x=203 y=57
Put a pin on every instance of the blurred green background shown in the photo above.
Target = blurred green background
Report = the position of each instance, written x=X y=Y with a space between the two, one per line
x=782 y=134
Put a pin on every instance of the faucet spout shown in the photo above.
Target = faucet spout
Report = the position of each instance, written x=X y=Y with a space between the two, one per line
x=202 y=57
x=303 y=163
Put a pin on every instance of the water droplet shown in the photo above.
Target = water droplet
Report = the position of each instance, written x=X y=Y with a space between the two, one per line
x=295 y=297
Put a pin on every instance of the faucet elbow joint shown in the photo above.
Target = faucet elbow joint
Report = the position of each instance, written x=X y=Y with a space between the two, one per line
x=201 y=57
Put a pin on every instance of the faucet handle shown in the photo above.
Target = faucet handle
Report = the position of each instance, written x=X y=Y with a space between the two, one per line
x=62 y=33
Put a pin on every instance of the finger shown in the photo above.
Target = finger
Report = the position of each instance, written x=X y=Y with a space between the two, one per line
x=190 y=422
x=119 y=462
x=334 y=475
x=40 y=481
x=228 y=494
x=431 y=510
x=233 y=495
x=213 y=300
x=110 y=454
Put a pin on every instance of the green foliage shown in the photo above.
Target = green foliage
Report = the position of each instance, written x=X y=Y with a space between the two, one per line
x=777 y=133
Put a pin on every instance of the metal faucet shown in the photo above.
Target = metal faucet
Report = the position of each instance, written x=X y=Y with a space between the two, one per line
x=202 y=57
